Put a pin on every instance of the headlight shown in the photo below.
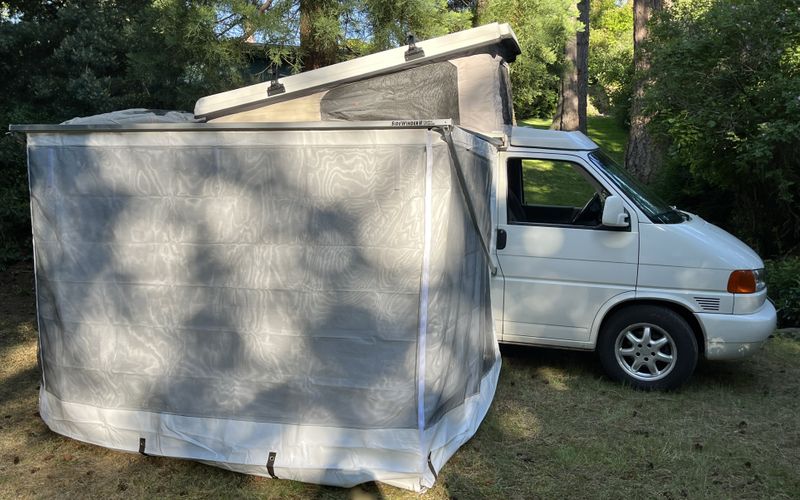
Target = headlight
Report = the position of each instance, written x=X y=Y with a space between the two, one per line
x=747 y=281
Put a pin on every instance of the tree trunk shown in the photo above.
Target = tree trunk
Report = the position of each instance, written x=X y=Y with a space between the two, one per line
x=567 y=110
x=478 y=10
x=643 y=155
x=572 y=98
x=583 y=64
x=317 y=47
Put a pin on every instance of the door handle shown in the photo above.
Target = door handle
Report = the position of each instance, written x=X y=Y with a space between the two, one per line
x=501 y=239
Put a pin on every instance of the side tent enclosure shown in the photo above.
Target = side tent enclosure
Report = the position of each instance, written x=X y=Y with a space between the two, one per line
x=304 y=304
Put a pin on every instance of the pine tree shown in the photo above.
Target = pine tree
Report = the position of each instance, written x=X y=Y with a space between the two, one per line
x=574 y=86
x=643 y=154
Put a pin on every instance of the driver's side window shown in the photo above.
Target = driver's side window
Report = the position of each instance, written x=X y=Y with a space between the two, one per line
x=558 y=192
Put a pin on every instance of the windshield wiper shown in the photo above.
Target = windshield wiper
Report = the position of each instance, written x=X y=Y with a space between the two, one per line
x=672 y=210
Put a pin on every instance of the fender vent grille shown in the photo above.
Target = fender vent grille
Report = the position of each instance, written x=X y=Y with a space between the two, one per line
x=707 y=303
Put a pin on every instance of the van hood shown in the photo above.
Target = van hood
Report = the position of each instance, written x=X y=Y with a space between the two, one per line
x=695 y=243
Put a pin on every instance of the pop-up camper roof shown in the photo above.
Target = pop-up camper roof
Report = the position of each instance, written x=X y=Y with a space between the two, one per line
x=462 y=76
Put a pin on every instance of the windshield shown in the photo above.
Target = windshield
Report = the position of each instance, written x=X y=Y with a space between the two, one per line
x=653 y=206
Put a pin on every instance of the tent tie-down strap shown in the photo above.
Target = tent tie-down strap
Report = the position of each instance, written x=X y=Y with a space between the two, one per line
x=142 y=444
x=448 y=137
x=431 y=467
x=271 y=465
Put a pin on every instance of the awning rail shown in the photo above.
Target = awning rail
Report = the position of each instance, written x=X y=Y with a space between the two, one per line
x=228 y=127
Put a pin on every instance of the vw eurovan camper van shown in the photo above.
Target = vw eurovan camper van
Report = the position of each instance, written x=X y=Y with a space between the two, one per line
x=588 y=258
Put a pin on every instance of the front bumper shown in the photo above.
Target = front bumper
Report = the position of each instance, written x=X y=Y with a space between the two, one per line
x=731 y=336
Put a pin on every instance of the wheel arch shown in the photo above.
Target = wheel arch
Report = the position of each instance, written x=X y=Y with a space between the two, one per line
x=630 y=300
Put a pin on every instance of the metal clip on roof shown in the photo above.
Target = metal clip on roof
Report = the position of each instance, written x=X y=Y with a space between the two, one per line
x=275 y=87
x=413 y=51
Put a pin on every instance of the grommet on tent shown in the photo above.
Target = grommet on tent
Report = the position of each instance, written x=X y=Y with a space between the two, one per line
x=271 y=465
x=275 y=87
x=413 y=51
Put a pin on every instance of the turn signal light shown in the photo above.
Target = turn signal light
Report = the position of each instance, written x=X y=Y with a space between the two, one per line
x=743 y=281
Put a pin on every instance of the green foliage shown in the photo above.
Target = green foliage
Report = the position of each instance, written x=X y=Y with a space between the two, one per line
x=178 y=56
x=542 y=27
x=783 y=287
x=726 y=81
x=611 y=56
x=391 y=20
x=67 y=59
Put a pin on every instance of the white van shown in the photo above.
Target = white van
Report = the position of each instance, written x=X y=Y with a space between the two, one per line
x=587 y=258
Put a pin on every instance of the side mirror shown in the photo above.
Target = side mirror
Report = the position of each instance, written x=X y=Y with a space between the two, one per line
x=614 y=213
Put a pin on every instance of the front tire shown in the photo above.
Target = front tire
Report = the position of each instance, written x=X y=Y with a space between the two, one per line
x=648 y=347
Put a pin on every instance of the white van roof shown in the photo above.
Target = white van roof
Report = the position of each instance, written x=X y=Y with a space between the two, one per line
x=550 y=139
x=388 y=61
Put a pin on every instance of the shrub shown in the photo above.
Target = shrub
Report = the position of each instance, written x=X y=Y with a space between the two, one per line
x=65 y=59
x=783 y=287
x=724 y=97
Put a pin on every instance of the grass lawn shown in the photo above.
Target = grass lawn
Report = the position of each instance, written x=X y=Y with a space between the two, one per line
x=557 y=428
x=551 y=182
x=603 y=130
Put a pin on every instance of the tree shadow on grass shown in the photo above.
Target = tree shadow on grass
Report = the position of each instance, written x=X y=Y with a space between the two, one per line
x=735 y=375
x=583 y=363
x=741 y=374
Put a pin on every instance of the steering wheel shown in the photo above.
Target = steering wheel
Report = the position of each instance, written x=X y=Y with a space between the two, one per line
x=589 y=212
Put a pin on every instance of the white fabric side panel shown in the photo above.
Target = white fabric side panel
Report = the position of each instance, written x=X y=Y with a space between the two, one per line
x=225 y=295
x=469 y=142
x=479 y=92
x=460 y=342
x=35 y=267
x=460 y=424
x=314 y=454
x=479 y=182
x=462 y=359
x=322 y=455
x=201 y=295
